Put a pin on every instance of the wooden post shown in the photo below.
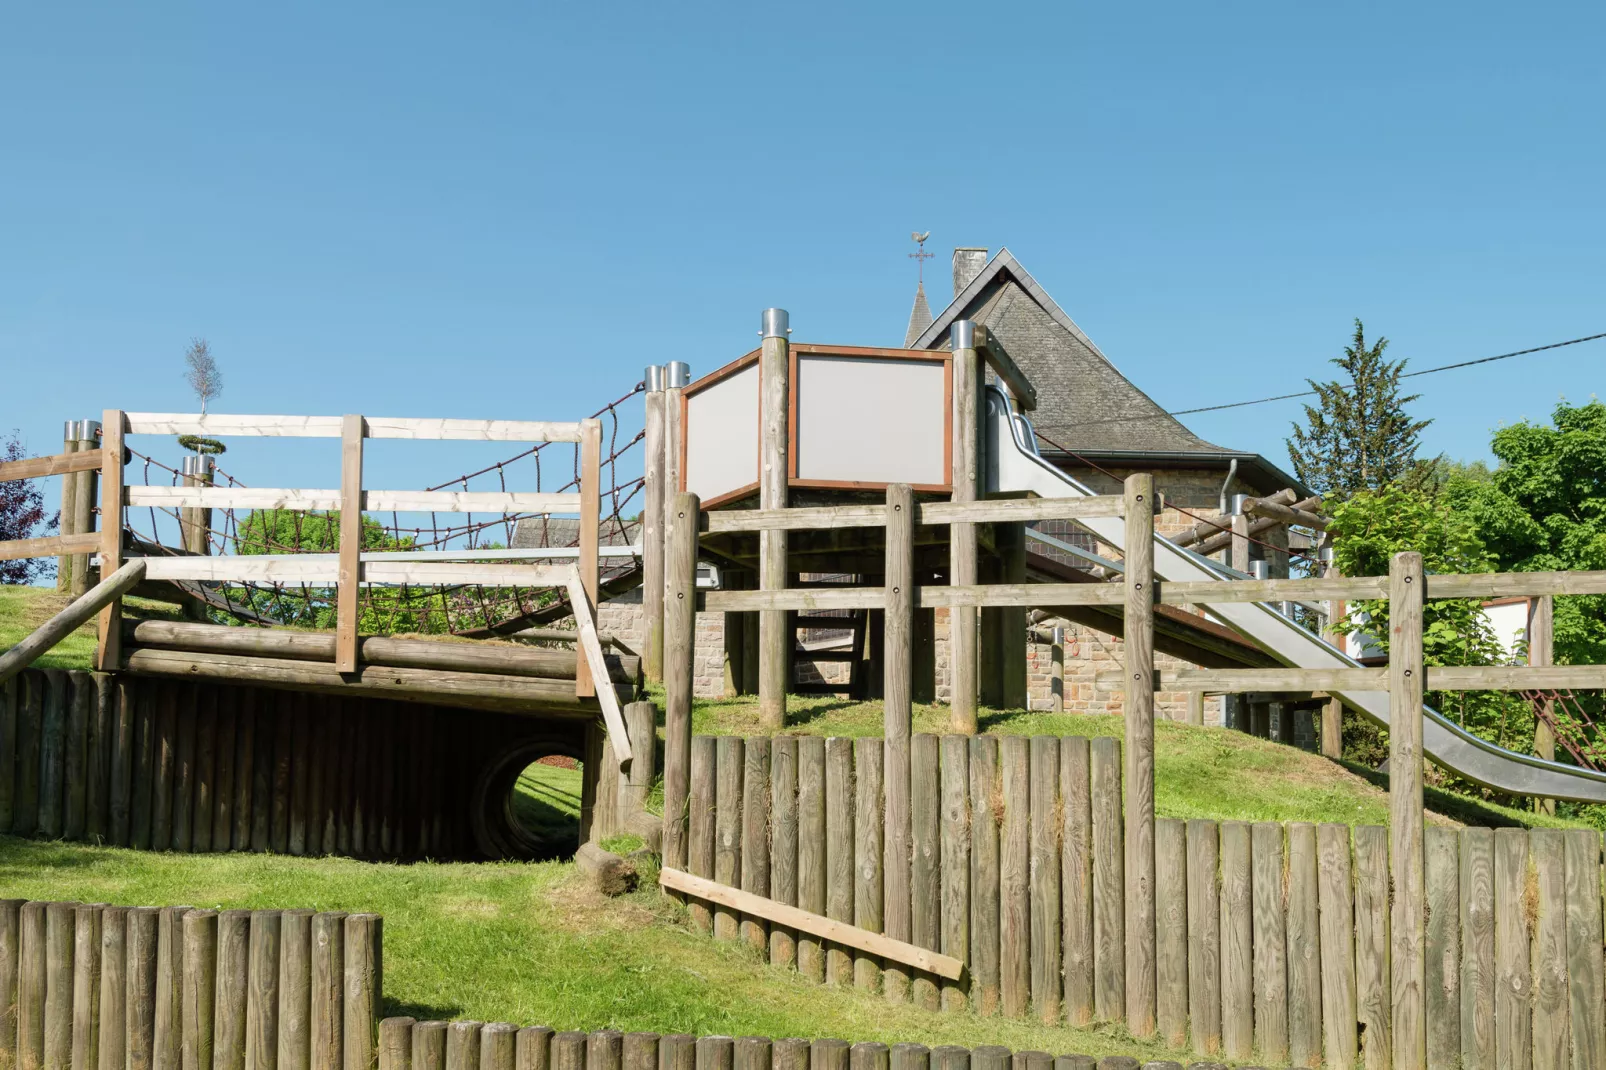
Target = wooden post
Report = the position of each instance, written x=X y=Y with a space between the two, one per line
x=774 y=638
x=985 y=791
x=1138 y=644
x=811 y=850
x=1407 y=922
x=1333 y=712
x=1240 y=541
x=69 y=505
x=1014 y=875
x=1046 y=939
x=1171 y=963
x=140 y=1007
x=347 y=598
x=295 y=989
x=83 y=504
x=590 y=523
x=680 y=641
x=963 y=653
x=839 y=859
x=641 y=724
x=1237 y=942
x=783 y=846
x=199 y=998
x=60 y=934
x=728 y=830
x=925 y=874
x=1204 y=936
x=109 y=646
x=896 y=919
x=1076 y=878
x=899 y=655
x=755 y=835
x=698 y=845
x=868 y=853
x=233 y=977
x=1541 y=651
x=113 y=1051
x=653 y=530
x=364 y=993
x=955 y=866
x=1336 y=902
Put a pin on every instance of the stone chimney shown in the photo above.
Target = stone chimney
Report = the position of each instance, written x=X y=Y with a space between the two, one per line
x=967 y=265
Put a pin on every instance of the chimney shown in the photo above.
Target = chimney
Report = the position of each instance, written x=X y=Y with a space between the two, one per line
x=967 y=265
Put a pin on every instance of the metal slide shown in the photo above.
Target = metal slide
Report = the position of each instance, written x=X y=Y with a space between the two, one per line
x=1011 y=463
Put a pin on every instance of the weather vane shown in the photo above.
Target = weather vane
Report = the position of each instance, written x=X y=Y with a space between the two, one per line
x=920 y=256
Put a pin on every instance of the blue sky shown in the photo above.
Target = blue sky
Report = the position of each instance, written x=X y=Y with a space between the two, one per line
x=507 y=210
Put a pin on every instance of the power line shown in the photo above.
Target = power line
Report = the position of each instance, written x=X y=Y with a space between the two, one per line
x=1312 y=393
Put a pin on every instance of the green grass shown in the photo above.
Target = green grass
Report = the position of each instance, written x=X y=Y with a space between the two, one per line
x=22 y=609
x=531 y=944
x=1199 y=772
x=546 y=801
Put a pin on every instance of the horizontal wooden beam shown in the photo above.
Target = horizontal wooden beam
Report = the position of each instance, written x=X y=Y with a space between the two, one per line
x=58 y=464
x=70 y=619
x=508 y=694
x=50 y=546
x=808 y=598
x=824 y=517
x=374 y=501
x=995 y=595
x=1205 y=592
x=325 y=569
x=838 y=932
x=1438 y=678
x=225 y=425
x=1516 y=584
x=504 y=659
x=1286 y=514
x=993 y=352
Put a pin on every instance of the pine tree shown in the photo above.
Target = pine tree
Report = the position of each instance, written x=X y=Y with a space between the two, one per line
x=1358 y=435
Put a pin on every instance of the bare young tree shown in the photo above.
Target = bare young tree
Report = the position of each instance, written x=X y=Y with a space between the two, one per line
x=201 y=372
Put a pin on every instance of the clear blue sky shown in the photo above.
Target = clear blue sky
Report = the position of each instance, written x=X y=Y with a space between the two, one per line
x=483 y=210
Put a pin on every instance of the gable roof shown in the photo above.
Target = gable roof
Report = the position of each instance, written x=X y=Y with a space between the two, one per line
x=1084 y=403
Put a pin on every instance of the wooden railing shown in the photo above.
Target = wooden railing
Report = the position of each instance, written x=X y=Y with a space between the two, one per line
x=350 y=568
x=72 y=546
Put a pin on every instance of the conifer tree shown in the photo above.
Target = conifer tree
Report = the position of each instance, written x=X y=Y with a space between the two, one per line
x=1358 y=435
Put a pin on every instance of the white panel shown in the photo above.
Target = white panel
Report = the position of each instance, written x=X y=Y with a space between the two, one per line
x=866 y=420
x=722 y=435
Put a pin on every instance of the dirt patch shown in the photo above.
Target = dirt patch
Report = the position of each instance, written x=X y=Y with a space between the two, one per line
x=558 y=761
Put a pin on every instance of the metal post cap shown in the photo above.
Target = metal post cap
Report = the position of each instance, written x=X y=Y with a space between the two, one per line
x=69 y=430
x=1261 y=569
x=88 y=428
x=196 y=464
x=654 y=377
x=964 y=334
x=776 y=323
x=678 y=373
x=1238 y=504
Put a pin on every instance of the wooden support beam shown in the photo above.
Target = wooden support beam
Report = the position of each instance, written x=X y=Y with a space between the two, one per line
x=899 y=594
x=1407 y=921
x=963 y=563
x=108 y=647
x=595 y=666
x=1138 y=653
x=588 y=574
x=652 y=536
x=1020 y=387
x=838 y=932
x=774 y=637
x=680 y=637
x=347 y=605
x=831 y=517
x=306 y=500
x=50 y=546
x=1285 y=514
x=57 y=464
x=224 y=425
x=1438 y=677
x=70 y=619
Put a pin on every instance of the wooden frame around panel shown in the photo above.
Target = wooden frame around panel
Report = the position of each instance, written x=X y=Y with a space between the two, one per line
x=930 y=356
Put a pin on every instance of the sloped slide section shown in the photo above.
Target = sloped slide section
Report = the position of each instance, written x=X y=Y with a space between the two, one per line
x=1012 y=464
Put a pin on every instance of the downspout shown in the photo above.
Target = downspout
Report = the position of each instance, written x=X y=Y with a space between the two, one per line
x=1226 y=484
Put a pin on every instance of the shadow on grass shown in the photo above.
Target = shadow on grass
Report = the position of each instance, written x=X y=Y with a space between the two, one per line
x=1456 y=807
x=813 y=712
x=423 y=1012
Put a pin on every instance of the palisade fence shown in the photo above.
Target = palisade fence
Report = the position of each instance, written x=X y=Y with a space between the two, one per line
x=406 y=1044
x=1015 y=876
x=98 y=987
x=195 y=767
x=1272 y=939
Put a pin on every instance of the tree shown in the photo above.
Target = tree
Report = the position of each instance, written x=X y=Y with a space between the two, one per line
x=201 y=372
x=1358 y=435
x=22 y=516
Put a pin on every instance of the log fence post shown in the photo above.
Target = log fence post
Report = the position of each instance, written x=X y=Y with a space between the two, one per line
x=964 y=666
x=69 y=504
x=83 y=521
x=653 y=520
x=774 y=638
x=898 y=659
x=1407 y=924
x=109 y=645
x=590 y=524
x=680 y=647
x=348 y=593
x=1138 y=644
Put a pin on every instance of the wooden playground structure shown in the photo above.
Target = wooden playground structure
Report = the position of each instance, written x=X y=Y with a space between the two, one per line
x=1003 y=875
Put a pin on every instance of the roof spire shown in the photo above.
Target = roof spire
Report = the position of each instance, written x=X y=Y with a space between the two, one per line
x=920 y=315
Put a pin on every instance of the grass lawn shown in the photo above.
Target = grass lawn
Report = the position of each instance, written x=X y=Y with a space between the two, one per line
x=530 y=944
x=1199 y=772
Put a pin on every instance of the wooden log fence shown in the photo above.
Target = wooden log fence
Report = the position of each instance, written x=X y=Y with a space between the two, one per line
x=186 y=765
x=102 y=987
x=408 y=1044
x=1274 y=938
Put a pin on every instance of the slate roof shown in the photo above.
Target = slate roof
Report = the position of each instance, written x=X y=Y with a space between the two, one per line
x=543 y=531
x=1084 y=402
x=919 y=317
